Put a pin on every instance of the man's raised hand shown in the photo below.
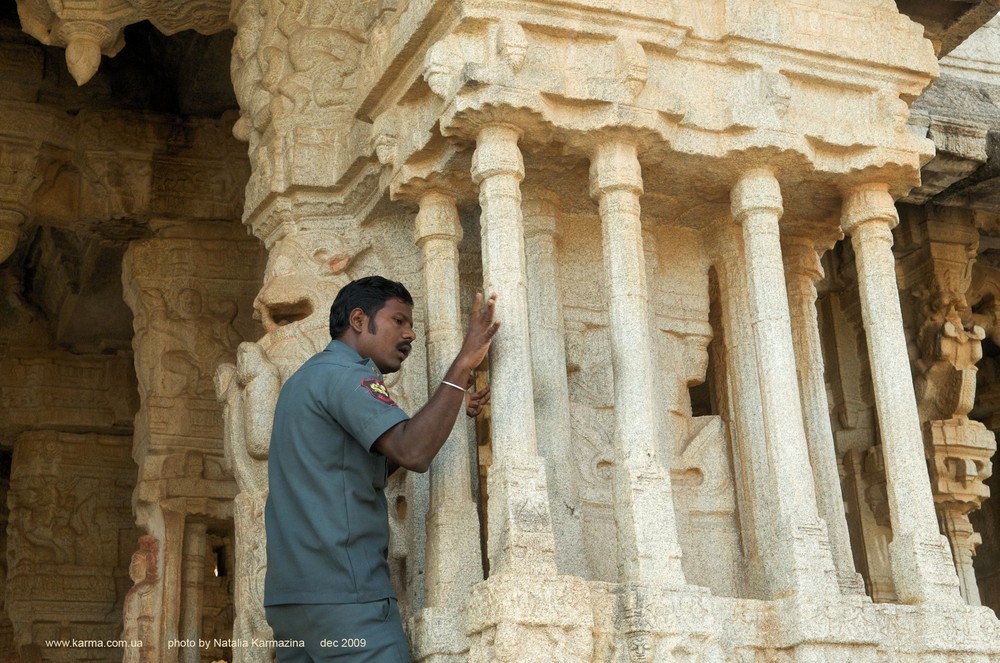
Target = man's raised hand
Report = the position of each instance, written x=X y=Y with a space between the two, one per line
x=482 y=329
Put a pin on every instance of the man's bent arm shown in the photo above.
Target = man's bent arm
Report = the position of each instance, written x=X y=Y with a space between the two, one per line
x=413 y=444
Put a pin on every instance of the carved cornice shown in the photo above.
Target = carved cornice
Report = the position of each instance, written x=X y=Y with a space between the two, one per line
x=89 y=30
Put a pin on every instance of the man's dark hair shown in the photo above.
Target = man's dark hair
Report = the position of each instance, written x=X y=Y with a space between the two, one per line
x=368 y=294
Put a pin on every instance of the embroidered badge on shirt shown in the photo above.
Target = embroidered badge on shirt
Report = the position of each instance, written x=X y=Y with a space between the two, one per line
x=376 y=388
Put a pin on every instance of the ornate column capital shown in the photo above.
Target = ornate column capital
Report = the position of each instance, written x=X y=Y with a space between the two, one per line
x=497 y=153
x=868 y=202
x=756 y=191
x=541 y=209
x=614 y=166
x=437 y=218
x=801 y=258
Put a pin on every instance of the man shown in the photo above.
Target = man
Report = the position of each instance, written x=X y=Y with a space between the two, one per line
x=337 y=436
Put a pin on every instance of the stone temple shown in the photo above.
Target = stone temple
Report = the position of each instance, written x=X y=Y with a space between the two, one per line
x=748 y=260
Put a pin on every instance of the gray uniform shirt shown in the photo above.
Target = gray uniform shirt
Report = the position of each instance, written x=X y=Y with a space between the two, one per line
x=326 y=519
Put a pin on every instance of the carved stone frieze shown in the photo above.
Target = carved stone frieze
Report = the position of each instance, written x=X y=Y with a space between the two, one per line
x=69 y=537
x=61 y=390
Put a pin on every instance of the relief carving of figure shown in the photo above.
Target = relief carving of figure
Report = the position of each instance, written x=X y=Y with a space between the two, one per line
x=56 y=524
x=195 y=341
x=139 y=612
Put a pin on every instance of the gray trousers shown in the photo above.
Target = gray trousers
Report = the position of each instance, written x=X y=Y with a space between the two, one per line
x=342 y=632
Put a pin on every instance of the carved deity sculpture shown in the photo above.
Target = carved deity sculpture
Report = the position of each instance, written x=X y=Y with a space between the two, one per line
x=140 y=602
x=305 y=270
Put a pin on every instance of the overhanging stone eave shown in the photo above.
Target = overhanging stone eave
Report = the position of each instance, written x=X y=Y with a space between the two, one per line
x=269 y=217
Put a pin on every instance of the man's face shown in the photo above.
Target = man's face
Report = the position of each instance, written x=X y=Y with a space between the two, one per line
x=389 y=341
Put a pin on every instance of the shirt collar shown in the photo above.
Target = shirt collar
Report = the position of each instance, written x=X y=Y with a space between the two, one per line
x=347 y=352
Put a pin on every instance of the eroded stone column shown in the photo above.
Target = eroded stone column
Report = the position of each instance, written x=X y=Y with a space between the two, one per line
x=921 y=562
x=802 y=270
x=520 y=527
x=192 y=577
x=453 y=562
x=648 y=550
x=804 y=551
x=548 y=363
x=753 y=482
x=524 y=611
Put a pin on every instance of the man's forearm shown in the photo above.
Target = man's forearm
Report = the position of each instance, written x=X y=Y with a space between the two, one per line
x=414 y=443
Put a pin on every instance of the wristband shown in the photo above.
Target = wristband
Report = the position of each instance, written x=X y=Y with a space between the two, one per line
x=452 y=384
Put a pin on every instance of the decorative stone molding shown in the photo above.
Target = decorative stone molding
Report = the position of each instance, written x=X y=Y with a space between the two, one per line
x=91 y=30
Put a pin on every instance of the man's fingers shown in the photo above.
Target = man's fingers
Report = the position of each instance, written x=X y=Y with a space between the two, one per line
x=477 y=306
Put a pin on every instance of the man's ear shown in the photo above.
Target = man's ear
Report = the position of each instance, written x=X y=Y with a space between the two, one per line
x=358 y=320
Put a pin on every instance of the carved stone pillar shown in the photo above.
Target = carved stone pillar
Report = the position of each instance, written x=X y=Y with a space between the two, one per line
x=802 y=270
x=959 y=449
x=191 y=302
x=804 y=551
x=453 y=561
x=304 y=271
x=551 y=388
x=453 y=554
x=192 y=579
x=753 y=489
x=520 y=536
x=648 y=550
x=524 y=610
x=68 y=516
x=921 y=565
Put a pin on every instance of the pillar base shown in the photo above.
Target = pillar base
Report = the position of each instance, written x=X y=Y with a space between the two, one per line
x=437 y=635
x=665 y=624
x=801 y=562
x=453 y=560
x=851 y=583
x=811 y=624
x=521 y=540
x=923 y=570
x=809 y=568
x=651 y=555
x=530 y=619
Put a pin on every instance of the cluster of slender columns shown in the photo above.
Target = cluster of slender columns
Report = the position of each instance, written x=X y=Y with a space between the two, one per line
x=807 y=567
x=453 y=559
x=803 y=531
x=802 y=270
x=520 y=538
x=548 y=357
x=648 y=548
x=922 y=568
